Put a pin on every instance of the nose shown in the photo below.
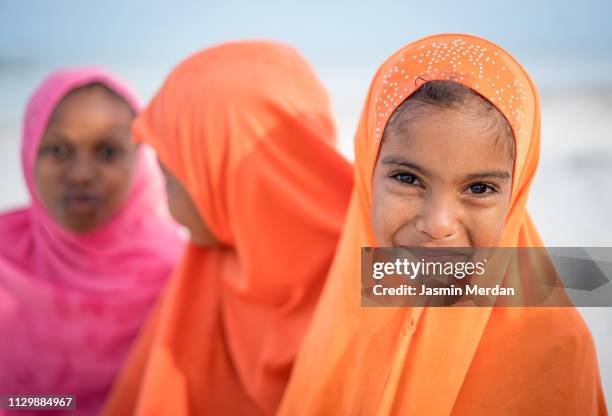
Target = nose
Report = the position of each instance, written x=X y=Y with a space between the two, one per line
x=438 y=217
x=82 y=171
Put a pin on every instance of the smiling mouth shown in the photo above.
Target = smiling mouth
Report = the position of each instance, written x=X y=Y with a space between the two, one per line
x=441 y=254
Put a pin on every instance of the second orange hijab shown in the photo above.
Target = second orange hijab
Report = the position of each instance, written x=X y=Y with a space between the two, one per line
x=246 y=128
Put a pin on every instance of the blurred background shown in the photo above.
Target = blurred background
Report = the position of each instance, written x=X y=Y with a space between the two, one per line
x=565 y=46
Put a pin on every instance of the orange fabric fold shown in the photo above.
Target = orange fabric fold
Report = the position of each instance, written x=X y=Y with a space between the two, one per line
x=439 y=361
x=246 y=128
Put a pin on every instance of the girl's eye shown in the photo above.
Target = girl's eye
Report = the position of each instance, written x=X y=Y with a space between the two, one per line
x=406 y=178
x=481 y=188
x=57 y=151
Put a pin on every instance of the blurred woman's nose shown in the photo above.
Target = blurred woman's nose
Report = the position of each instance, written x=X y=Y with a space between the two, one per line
x=438 y=217
x=81 y=171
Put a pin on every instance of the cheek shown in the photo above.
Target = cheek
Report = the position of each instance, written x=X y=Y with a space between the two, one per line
x=174 y=204
x=391 y=213
x=485 y=226
x=179 y=205
x=47 y=180
x=117 y=181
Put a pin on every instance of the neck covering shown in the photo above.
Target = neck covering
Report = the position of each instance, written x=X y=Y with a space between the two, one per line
x=246 y=128
x=440 y=361
x=72 y=303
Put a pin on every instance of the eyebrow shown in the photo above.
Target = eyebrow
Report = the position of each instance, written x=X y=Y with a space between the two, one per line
x=400 y=161
x=499 y=174
x=55 y=136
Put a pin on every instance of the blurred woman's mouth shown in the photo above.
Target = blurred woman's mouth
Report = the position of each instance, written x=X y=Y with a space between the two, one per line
x=81 y=203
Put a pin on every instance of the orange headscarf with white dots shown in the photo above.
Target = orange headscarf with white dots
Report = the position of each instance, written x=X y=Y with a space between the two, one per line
x=438 y=361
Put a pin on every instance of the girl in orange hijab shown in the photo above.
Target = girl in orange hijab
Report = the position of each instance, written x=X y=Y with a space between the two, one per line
x=246 y=138
x=446 y=150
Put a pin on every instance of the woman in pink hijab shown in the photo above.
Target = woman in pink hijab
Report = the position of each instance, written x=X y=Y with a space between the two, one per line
x=82 y=265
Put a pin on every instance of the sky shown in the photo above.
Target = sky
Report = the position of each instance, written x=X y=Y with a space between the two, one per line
x=323 y=29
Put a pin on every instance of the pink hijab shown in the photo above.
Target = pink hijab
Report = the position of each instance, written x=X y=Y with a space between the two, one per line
x=71 y=304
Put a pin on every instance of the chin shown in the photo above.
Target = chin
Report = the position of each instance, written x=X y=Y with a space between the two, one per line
x=82 y=228
x=199 y=243
x=85 y=224
x=204 y=241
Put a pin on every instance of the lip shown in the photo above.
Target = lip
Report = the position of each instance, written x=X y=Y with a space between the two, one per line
x=441 y=254
x=82 y=204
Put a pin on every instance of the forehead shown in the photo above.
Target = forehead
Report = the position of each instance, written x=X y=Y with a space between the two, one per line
x=447 y=143
x=85 y=118
x=91 y=103
x=87 y=114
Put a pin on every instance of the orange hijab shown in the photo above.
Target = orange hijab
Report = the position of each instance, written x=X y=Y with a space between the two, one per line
x=246 y=128
x=439 y=361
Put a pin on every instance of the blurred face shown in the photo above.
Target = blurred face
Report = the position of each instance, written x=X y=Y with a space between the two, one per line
x=184 y=211
x=441 y=180
x=85 y=158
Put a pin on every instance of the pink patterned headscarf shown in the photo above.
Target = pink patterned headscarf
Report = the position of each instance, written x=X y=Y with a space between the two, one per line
x=71 y=304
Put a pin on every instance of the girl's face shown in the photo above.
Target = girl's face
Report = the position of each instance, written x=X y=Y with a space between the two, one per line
x=441 y=181
x=85 y=159
x=184 y=211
